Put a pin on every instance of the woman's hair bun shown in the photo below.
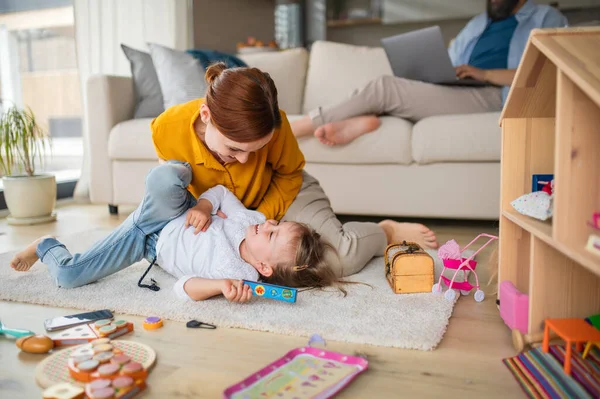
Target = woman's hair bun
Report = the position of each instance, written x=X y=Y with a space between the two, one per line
x=214 y=71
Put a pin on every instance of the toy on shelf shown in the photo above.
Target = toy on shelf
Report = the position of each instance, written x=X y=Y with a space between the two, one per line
x=35 y=344
x=539 y=182
x=451 y=256
x=15 y=332
x=514 y=307
x=303 y=373
x=537 y=204
x=271 y=291
x=410 y=269
x=89 y=332
x=572 y=331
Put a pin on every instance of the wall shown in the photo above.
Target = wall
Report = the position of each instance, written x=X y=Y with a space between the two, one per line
x=219 y=25
x=371 y=35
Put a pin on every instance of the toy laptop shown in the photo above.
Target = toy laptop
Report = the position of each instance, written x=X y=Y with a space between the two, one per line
x=306 y=372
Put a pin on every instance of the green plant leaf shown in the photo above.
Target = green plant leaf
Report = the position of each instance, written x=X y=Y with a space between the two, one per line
x=22 y=142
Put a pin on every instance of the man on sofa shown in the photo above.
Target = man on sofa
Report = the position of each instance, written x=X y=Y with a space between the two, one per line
x=488 y=48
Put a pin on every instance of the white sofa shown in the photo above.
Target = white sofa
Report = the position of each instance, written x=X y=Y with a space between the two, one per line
x=440 y=167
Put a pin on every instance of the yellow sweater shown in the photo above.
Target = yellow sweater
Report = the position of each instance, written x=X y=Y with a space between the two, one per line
x=268 y=182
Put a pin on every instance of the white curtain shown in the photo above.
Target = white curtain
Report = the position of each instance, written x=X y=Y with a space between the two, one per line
x=102 y=25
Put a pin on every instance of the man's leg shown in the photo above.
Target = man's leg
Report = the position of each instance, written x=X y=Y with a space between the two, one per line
x=403 y=98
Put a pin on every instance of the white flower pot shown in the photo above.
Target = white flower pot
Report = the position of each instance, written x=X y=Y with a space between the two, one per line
x=30 y=199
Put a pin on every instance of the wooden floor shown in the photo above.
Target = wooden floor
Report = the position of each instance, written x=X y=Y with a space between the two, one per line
x=202 y=363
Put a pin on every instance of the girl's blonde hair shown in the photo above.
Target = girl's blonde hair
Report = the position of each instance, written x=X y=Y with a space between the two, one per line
x=310 y=268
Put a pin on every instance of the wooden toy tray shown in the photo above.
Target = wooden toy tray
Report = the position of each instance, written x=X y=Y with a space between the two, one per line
x=53 y=369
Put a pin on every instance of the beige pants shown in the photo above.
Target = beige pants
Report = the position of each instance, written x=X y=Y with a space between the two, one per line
x=410 y=99
x=356 y=243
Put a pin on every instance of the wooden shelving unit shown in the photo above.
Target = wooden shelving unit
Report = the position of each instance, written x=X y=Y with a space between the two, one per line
x=337 y=23
x=551 y=124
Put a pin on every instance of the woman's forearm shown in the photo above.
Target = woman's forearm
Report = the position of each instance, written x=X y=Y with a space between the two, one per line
x=199 y=289
x=500 y=77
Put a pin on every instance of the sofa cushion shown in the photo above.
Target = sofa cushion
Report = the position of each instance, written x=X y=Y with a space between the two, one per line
x=288 y=71
x=335 y=70
x=132 y=140
x=457 y=138
x=389 y=144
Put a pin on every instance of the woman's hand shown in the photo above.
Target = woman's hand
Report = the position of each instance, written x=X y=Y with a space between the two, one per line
x=199 y=216
x=236 y=291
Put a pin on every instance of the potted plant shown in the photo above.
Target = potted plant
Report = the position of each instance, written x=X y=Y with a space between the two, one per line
x=30 y=197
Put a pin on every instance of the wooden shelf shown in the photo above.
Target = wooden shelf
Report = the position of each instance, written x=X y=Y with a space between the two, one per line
x=337 y=23
x=540 y=229
x=543 y=231
x=550 y=125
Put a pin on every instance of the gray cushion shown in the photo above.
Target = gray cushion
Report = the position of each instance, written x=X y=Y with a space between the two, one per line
x=148 y=95
x=181 y=76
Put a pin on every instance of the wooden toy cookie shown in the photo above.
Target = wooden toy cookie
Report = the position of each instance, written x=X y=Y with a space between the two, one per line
x=35 y=344
x=101 y=360
x=63 y=391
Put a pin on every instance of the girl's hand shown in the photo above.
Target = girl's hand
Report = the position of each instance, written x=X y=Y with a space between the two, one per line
x=199 y=216
x=236 y=291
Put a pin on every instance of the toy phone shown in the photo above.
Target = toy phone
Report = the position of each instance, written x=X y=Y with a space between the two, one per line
x=271 y=291
x=62 y=322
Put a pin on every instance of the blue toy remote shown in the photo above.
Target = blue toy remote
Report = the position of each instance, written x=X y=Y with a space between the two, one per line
x=272 y=291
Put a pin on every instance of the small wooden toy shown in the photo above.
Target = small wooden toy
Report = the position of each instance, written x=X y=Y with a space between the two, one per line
x=152 y=323
x=63 y=391
x=15 y=332
x=35 y=344
x=593 y=244
x=303 y=373
x=53 y=369
x=514 y=307
x=89 y=332
x=522 y=341
x=408 y=270
x=123 y=387
x=572 y=331
x=101 y=360
x=272 y=291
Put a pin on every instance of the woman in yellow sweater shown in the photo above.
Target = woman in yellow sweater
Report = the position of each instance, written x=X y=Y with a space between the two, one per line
x=237 y=137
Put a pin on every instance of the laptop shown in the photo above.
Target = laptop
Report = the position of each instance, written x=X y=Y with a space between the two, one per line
x=421 y=55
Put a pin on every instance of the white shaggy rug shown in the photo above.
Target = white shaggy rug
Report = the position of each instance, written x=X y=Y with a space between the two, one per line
x=367 y=315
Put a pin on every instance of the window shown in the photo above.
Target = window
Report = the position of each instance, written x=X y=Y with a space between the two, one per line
x=38 y=69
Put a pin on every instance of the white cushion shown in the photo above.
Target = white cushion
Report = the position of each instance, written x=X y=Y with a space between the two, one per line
x=335 y=70
x=131 y=140
x=389 y=144
x=457 y=138
x=288 y=71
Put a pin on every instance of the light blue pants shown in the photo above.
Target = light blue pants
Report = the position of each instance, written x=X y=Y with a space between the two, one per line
x=165 y=199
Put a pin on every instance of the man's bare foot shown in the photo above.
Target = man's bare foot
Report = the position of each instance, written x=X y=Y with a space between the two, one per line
x=411 y=232
x=24 y=259
x=343 y=132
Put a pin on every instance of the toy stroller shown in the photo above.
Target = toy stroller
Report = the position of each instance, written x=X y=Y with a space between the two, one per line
x=451 y=256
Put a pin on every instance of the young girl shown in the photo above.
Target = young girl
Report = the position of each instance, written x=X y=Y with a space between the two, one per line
x=243 y=245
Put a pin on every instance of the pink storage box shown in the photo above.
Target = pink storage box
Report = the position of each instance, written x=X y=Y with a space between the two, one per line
x=514 y=307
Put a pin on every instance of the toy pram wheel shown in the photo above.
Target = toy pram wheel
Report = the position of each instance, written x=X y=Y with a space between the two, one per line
x=479 y=295
x=450 y=294
x=436 y=289
x=465 y=292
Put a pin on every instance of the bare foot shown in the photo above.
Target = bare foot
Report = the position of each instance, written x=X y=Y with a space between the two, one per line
x=343 y=132
x=397 y=232
x=24 y=259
